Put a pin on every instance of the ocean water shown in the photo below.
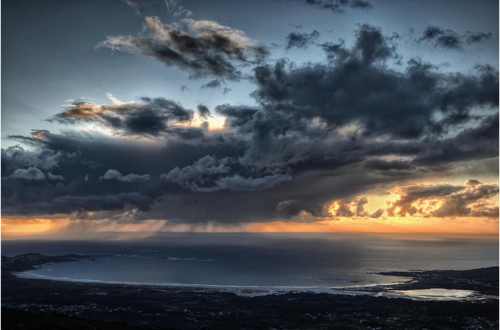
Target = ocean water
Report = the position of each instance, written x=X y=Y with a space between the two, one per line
x=269 y=260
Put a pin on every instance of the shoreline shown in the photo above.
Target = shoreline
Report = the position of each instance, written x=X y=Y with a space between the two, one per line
x=255 y=290
x=71 y=304
x=214 y=287
x=438 y=285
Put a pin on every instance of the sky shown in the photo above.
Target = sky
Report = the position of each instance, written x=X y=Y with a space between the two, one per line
x=261 y=116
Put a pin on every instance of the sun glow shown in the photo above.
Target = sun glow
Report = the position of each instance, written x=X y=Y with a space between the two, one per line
x=20 y=227
x=14 y=228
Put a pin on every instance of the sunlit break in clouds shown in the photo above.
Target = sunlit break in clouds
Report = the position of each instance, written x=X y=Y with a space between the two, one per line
x=141 y=117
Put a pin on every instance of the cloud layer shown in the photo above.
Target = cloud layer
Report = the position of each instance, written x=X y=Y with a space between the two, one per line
x=449 y=39
x=301 y=40
x=317 y=134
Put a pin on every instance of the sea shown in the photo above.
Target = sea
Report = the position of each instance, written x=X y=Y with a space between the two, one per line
x=333 y=260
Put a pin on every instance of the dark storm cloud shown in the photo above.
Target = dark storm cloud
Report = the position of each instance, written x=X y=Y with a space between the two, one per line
x=388 y=166
x=339 y=6
x=291 y=208
x=202 y=48
x=449 y=39
x=203 y=111
x=149 y=117
x=85 y=159
x=17 y=157
x=236 y=116
x=56 y=177
x=132 y=177
x=470 y=144
x=31 y=173
x=216 y=83
x=373 y=45
x=349 y=90
x=475 y=37
x=104 y=202
x=443 y=38
x=301 y=40
x=209 y=174
x=319 y=133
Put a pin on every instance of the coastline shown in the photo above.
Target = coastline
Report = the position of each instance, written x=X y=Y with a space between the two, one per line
x=237 y=289
x=377 y=290
x=69 y=304
x=438 y=285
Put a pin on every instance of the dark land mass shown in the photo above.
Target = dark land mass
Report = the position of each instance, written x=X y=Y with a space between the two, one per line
x=46 y=304
x=483 y=280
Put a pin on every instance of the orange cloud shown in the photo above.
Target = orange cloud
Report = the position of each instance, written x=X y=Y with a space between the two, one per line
x=473 y=199
x=445 y=200
x=354 y=208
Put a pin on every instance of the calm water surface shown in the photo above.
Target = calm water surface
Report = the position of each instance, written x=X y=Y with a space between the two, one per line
x=318 y=260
